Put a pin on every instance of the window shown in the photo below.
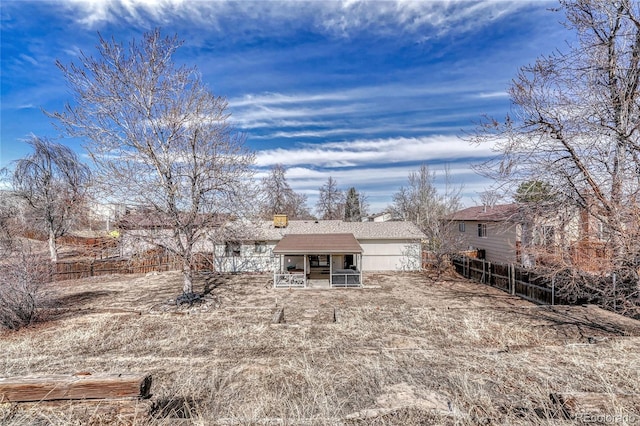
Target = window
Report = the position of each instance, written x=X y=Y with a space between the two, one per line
x=461 y=227
x=260 y=247
x=232 y=249
x=482 y=230
x=603 y=232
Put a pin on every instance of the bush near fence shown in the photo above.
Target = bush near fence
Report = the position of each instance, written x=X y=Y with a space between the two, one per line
x=510 y=278
x=567 y=287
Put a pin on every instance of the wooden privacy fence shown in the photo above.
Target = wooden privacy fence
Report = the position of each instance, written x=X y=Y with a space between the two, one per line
x=153 y=261
x=510 y=278
x=95 y=247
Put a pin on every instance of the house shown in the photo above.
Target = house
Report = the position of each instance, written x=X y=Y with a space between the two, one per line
x=495 y=231
x=339 y=252
x=379 y=217
x=527 y=234
x=331 y=252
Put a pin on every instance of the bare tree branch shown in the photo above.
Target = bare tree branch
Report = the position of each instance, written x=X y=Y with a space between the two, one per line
x=160 y=140
x=53 y=182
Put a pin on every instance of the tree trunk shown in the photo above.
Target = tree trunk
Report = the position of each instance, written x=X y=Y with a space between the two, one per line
x=53 y=249
x=187 y=273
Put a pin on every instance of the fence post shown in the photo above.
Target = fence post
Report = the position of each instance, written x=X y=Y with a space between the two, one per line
x=468 y=267
x=512 y=278
x=465 y=261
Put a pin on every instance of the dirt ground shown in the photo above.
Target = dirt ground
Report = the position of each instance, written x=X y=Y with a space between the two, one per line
x=402 y=350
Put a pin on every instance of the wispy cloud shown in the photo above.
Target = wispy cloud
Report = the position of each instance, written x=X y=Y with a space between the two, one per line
x=337 y=18
x=491 y=95
x=29 y=59
x=333 y=113
x=377 y=151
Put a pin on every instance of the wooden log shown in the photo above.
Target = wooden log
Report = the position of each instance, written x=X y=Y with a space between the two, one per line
x=116 y=410
x=78 y=386
x=592 y=403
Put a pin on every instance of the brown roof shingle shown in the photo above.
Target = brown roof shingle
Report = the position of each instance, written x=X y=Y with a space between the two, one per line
x=317 y=244
x=498 y=213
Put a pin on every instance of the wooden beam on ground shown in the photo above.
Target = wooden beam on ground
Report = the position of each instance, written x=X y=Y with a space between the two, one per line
x=78 y=386
x=96 y=411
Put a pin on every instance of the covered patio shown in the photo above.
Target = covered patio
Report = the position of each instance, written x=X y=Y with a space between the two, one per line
x=320 y=260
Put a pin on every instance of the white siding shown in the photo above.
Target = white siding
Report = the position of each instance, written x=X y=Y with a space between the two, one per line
x=378 y=255
x=248 y=261
x=390 y=255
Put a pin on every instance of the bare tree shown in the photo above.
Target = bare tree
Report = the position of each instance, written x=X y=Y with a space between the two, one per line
x=421 y=203
x=330 y=203
x=575 y=124
x=160 y=139
x=279 y=198
x=490 y=197
x=53 y=183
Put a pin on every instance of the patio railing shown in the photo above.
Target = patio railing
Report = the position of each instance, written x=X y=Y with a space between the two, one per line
x=345 y=279
x=288 y=280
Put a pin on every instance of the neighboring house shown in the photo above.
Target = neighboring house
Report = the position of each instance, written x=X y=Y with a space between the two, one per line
x=517 y=233
x=331 y=250
x=379 y=217
x=105 y=215
x=494 y=231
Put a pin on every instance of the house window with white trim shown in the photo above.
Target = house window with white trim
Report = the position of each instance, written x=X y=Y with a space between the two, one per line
x=461 y=227
x=482 y=230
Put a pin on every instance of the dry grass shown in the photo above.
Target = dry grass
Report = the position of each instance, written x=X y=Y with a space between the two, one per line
x=404 y=351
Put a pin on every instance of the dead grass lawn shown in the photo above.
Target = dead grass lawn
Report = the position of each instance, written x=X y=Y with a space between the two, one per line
x=404 y=350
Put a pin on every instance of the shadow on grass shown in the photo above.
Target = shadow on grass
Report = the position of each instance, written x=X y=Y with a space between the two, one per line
x=73 y=305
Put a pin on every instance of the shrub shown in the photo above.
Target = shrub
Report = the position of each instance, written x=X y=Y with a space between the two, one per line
x=21 y=279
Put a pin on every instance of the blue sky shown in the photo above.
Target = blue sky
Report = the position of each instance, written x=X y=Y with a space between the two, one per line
x=364 y=92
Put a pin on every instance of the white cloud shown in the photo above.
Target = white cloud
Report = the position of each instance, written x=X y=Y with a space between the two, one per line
x=492 y=95
x=29 y=59
x=375 y=151
x=336 y=18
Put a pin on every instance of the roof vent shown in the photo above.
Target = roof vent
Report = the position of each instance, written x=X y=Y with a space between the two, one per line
x=280 y=221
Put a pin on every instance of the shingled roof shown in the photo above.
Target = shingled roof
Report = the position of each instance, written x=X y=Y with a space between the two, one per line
x=498 y=213
x=317 y=244
x=360 y=230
